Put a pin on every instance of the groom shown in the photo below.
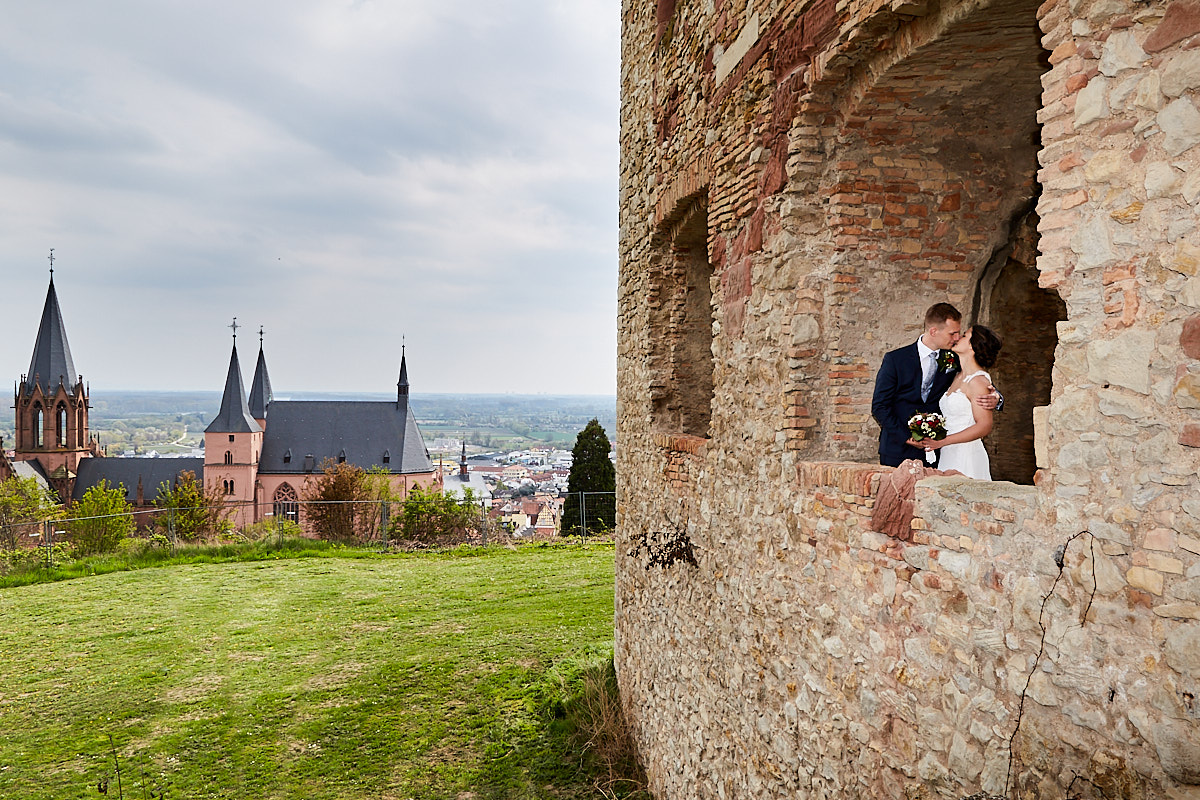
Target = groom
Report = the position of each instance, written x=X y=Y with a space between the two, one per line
x=911 y=381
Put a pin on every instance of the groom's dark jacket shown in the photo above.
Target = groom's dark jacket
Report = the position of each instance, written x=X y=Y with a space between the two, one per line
x=897 y=397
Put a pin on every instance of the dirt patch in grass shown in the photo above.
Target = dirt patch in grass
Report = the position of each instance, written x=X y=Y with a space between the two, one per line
x=195 y=690
x=335 y=677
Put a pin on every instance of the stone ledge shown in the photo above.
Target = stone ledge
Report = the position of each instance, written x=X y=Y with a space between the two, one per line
x=848 y=477
x=682 y=443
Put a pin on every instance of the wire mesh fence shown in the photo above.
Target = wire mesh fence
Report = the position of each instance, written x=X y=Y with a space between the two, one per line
x=363 y=522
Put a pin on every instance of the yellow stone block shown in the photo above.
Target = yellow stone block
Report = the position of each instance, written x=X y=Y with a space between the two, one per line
x=1145 y=579
x=1161 y=563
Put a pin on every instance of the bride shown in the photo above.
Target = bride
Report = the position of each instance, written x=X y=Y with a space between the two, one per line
x=966 y=421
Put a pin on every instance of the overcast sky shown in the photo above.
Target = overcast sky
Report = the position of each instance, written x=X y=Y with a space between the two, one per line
x=341 y=173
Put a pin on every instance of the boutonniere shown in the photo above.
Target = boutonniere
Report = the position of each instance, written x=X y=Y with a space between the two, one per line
x=947 y=361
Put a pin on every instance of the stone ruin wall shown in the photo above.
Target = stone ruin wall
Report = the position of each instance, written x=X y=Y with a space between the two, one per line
x=800 y=179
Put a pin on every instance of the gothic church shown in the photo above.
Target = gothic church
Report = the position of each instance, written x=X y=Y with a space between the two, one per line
x=261 y=454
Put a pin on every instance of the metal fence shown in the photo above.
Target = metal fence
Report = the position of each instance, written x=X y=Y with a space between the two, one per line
x=369 y=522
x=592 y=513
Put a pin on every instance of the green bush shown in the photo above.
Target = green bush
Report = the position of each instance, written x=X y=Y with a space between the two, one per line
x=24 y=505
x=435 y=517
x=269 y=530
x=101 y=519
x=31 y=560
x=191 y=513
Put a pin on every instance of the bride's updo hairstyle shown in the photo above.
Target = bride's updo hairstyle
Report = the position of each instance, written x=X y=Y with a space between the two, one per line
x=986 y=345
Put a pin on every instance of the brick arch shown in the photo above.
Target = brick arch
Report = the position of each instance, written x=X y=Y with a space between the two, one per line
x=931 y=152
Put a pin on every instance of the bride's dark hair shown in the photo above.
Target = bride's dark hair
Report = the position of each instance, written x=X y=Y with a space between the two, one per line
x=986 y=345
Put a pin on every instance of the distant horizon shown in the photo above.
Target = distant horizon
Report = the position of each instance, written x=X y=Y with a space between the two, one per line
x=278 y=394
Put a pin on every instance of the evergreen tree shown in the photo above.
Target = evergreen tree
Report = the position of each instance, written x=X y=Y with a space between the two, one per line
x=591 y=471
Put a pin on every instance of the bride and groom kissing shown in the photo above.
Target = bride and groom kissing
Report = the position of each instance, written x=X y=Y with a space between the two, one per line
x=944 y=371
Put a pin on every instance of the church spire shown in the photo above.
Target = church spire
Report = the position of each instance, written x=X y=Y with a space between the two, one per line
x=402 y=385
x=51 y=362
x=234 y=416
x=260 y=386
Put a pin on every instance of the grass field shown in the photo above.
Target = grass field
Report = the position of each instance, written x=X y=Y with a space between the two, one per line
x=397 y=676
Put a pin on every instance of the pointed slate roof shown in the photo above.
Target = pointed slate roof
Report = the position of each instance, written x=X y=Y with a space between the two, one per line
x=366 y=432
x=51 y=353
x=402 y=385
x=127 y=472
x=234 y=416
x=260 y=388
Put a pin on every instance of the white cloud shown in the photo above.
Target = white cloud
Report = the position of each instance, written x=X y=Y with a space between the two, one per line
x=343 y=173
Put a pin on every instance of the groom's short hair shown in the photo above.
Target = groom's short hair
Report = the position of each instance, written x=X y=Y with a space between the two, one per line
x=938 y=313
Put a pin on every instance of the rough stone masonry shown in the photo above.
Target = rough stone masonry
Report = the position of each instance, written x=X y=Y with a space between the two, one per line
x=800 y=179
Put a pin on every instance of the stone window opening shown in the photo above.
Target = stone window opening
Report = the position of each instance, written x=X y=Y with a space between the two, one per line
x=38 y=424
x=60 y=425
x=930 y=200
x=228 y=457
x=681 y=324
x=1008 y=299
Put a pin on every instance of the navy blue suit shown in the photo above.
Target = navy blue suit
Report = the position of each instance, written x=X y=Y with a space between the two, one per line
x=897 y=397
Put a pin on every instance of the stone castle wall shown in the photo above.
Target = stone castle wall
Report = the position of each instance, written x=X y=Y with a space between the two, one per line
x=800 y=179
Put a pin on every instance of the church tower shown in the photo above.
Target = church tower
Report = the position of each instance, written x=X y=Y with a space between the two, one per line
x=232 y=447
x=51 y=403
x=260 y=387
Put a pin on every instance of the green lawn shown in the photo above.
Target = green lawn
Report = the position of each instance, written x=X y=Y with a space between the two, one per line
x=397 y=676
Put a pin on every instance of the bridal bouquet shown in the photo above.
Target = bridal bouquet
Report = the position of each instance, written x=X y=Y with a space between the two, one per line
x=928 y=426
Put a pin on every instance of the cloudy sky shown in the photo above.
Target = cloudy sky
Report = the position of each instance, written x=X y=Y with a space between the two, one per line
x=344 y=173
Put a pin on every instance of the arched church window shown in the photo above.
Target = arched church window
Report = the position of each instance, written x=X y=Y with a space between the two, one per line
x=60 y=425
x=38 y=424
x=228 y=457
x=287 y=505
x=231 y=486
x=79 y=427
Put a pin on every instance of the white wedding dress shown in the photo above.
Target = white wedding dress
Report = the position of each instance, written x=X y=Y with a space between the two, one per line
x=969 y=458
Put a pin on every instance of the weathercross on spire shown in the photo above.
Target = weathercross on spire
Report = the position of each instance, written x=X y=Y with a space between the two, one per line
x=235 y=326
x=51 y=263
x=260 y=333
